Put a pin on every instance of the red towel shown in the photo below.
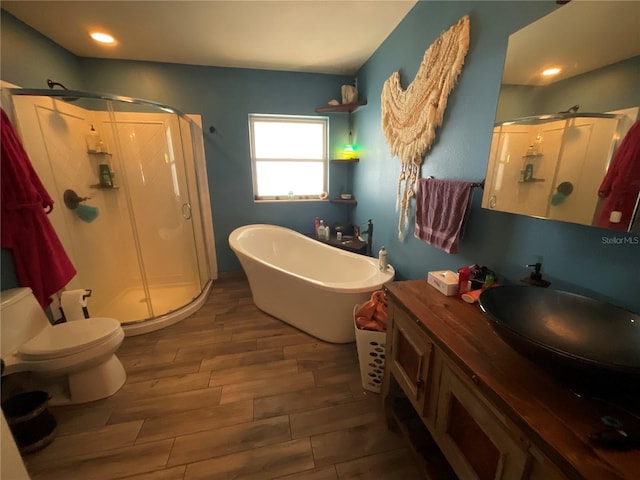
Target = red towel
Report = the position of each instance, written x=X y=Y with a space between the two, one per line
x=621 y=184
x=441 y=208
x=40 y=260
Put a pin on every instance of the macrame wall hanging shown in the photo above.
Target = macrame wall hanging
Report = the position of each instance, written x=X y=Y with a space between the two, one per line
x=410 y=117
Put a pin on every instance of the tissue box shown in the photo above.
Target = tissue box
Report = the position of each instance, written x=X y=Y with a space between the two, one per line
x=445 y=281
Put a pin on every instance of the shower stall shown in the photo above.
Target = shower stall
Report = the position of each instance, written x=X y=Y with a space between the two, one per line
x=132 y=208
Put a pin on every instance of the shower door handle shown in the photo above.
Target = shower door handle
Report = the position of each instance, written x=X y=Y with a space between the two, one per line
x=186 y=211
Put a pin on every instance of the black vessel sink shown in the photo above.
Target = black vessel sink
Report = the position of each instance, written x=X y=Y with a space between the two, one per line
x=572 y=334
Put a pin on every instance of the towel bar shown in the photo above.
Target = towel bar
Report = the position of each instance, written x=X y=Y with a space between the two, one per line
x=474 y=184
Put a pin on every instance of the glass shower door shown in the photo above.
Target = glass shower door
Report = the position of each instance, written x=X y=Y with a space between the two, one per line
x=152 y=167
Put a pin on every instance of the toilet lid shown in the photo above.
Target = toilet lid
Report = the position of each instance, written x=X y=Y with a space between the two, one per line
x=70 y=337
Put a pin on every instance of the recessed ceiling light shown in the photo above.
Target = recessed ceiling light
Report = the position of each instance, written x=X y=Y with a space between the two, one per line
x=103 y=37
x=550 y=72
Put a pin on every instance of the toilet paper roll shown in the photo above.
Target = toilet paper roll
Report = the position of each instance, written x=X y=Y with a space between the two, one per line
x=72 y=303
x=56 y=308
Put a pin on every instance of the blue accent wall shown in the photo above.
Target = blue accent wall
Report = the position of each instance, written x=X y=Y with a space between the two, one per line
x=617 y=89
x=575 y=258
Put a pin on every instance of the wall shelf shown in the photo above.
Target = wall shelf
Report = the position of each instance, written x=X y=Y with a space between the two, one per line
x=343 y=201
x=532 y=180
x=344 y=160
x=343 y=107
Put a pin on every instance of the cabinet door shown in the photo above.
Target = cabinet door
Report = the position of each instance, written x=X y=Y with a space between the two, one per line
x=542 y=468
x=411 y=352
x=476 y=443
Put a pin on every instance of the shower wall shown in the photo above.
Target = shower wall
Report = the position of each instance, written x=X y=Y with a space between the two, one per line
x=573 y=151
x=139 y=255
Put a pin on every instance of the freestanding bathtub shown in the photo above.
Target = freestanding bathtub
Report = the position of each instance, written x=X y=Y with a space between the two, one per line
x=308 y=284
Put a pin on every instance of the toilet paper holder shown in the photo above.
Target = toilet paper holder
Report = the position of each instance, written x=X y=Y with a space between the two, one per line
x=85 y=310
x=74 y=303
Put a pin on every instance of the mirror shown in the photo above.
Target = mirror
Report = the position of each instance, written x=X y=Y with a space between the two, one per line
x=555 y=136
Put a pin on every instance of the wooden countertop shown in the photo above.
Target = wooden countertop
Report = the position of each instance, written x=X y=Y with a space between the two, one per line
x=556 y=420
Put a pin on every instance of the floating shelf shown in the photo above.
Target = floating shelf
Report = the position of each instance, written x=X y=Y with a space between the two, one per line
x=342 y=200
x=344 y=160
x=532 y=180
x=343 y=107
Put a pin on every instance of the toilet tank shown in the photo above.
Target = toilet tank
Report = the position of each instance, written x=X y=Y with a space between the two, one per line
x=21 y=318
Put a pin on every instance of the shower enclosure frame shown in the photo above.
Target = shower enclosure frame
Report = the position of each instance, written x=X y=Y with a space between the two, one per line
x=197 y=190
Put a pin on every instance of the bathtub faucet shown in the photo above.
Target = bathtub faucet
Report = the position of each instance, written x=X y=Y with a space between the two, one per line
x=369 y=232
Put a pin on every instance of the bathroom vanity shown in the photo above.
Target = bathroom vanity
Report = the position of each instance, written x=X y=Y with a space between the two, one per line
x=472 y=407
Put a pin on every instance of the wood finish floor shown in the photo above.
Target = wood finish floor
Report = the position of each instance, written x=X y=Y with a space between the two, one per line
x=229 y=393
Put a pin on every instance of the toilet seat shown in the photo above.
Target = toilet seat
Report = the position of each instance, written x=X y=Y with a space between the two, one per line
x=68 y=338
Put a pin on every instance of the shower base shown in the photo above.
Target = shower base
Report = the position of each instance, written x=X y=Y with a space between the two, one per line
x=130 y=307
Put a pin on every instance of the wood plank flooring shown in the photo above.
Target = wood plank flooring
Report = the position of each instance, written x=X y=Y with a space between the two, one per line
x=229 y=393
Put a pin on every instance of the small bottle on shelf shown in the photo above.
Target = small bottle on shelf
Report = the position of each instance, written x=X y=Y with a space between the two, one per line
x=93 y=141
x=321 y=230
x=528 y=172
x=106 y=178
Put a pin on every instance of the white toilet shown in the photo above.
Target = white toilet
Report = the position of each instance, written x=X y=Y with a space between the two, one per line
x=74 y=362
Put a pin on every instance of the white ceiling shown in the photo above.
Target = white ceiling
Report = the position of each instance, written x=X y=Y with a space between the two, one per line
x=319 y=36
x=327 y=36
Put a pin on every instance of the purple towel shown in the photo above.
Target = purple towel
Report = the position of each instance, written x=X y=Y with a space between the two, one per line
x=441 y=207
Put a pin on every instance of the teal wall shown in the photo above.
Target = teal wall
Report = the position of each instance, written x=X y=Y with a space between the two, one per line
x=617 y=89
x=29 y=59
x=575 y=257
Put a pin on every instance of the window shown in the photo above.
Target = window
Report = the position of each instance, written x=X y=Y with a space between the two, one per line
x=288 y=156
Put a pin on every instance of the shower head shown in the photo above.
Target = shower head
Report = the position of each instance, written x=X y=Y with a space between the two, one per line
x=573 y=109
x=51 y=84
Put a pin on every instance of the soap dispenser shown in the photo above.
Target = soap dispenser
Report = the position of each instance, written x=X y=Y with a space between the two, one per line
x=535 y=278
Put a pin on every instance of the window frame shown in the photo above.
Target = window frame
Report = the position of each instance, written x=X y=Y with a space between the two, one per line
x=275 y=118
